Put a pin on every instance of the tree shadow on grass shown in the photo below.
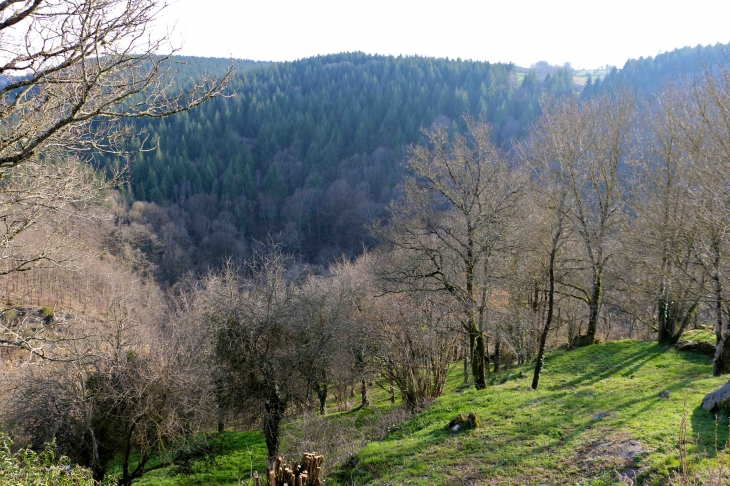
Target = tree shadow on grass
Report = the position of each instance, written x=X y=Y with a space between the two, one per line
x=709 y=431
x=627 y=366
x=629 y=405
x=695 y=358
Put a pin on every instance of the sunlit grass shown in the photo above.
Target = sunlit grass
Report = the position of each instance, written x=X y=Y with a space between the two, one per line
x=247 y=453
x=576 y=428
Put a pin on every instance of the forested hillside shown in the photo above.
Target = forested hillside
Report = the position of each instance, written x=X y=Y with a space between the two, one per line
x=309 y=151
x=647 y=75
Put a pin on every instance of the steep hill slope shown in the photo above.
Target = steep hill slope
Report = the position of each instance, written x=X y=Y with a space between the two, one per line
x=600 y=411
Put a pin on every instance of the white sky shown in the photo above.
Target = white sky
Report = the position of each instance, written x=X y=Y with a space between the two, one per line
x=587 y=33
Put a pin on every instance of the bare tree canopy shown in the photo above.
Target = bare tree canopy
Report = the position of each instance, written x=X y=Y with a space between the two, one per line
x=70 y=68
x=584 y=149
x=447 y=232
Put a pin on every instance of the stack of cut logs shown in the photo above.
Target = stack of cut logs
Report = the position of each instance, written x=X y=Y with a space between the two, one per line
x=308 y=473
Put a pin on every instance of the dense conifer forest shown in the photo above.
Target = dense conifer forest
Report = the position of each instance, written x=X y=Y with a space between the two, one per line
x=309 y=151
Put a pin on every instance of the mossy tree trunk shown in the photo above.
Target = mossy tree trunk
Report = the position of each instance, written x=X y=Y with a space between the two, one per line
x=477 y=351
x=274 y=410
x=364 y=402
x=477 y=363
x=721 y=362
x=467 y=355
x=672 y=319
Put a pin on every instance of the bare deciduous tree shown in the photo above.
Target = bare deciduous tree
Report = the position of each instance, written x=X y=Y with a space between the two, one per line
x=52 y=194
x=324 y=321
x=703 y=120
x=418 y=336
x=586 y=148
x=251 y=317
x=120 y=387
x=70 y=72
x=664 y=232
x=451 y=225
x=550 y=191
x=70 y=69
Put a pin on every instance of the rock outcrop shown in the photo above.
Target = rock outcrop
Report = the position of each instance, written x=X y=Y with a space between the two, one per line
x=717 y=399
x=694 y=347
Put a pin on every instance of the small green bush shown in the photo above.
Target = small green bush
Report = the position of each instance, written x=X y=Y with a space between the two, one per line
x=47 y=313
x=28 y=468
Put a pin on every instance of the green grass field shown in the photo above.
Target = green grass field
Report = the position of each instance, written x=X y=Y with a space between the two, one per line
x=246 y=453
x=598 y=412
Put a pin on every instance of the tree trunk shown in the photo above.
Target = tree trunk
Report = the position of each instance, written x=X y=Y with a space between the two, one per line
x=477 y=363
x=497 y=352
x=466 y=362
x=466 y=368
x=551 y=304
x=540 y=355
x=717 y=287
x=487 y=361
x=321 y=390
x=364 y=393
x=129 y=477
x=672 y=320
x=126 y=478
x=595 y=307
x=721 y=362
x=663 y=316
x=665 y=323
x=274 y=409
x=477 y=350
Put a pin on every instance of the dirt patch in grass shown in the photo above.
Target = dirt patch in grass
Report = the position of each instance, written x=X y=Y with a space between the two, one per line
x=612 y=451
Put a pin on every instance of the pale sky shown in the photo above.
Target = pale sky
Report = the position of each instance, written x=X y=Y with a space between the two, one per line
x=586 y=33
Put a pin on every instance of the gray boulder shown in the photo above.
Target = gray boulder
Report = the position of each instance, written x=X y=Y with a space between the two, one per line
x=717 y=399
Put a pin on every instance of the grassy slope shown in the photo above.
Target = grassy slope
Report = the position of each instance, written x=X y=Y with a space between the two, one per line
x=549 y=436
x=247 y=453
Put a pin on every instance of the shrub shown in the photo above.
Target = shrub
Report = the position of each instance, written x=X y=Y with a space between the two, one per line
x=9 y=315
x=47 y=313
x=26 y=467
x=340 y=438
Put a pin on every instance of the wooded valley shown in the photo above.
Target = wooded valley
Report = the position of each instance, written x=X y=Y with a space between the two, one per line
x=193 y=249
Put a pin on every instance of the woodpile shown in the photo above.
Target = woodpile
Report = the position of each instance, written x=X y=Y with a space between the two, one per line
x=306 y=473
